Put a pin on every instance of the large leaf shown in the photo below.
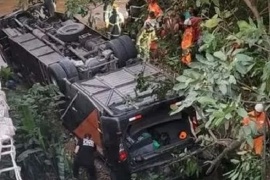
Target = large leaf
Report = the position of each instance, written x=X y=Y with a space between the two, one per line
x=27 y=118
x=243 y=63
x=223 y=89
x=212 y=23
x=235 y=161
x=222 y=56
x=266 y=71
x=182 y=78
x=232 y=79
x=244 y=26
x=242 y=112
x=192 y=74
x=249 y=140
x=253 y=127
x=205 y=100
x=180 y=86
x=190 y=99
x=247 y=131
x=208 y=38
x=26 y=153
x=216 y=2
x=227 y=14
x=209 y=57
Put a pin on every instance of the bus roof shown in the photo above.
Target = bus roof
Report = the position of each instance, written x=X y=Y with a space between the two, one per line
x=116 y=91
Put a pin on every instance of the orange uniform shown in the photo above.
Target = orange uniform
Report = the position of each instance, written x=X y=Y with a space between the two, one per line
x=259 y=120
x=195 y=21
x=186 y=45
x=153 y=6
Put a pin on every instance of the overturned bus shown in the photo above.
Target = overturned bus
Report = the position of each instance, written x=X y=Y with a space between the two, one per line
x=133 y=130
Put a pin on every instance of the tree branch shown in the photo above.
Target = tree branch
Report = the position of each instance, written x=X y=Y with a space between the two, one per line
x=200 y=150
x=253 y=8
x=215 y=163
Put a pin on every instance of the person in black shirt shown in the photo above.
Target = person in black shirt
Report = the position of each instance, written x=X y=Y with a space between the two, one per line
x=85 y=157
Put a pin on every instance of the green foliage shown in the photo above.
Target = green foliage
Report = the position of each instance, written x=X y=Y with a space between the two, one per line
x=81 y=7
x=246 y=166
x=213 y=22
x=5 y=74
x=77 y=7
x=231 y=70
x=161 y=87
x=39 y=140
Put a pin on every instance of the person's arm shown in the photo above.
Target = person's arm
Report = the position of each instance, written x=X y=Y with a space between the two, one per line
x=107 y=14
x=76 y=150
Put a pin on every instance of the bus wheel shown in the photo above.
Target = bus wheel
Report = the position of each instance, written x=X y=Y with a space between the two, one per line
x=57 y=75
x=119 y=51
x=70 y=32
x=70 y=69
x=129 y=46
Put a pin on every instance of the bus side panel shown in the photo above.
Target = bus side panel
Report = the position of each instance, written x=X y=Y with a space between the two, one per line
x=110 y=139
x=90 y=125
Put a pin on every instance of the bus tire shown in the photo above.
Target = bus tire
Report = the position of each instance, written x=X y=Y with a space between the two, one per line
x=57 y=75
x=119 y=51
x=50 y=6
x=70 y=32
x=69 y=68
x=129 y=46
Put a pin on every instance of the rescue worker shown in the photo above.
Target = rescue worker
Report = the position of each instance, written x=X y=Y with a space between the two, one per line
x=144 y=40
x=115 y=22
x=258 y=116
x=50 y=5
x=181 y=23
x=187 y=42
x=153 y=6
x=84 y=151
x=189 y=12
x=152 y=20
x=107 y=11
x=155 y=25
x=195 y=22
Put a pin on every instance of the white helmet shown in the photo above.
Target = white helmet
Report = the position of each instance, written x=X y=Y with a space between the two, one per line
x=187 y=22
x=259 y=107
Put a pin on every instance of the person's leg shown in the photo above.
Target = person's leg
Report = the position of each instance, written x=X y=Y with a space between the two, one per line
x=91 y=169
x=76 y=168
x=258 y=145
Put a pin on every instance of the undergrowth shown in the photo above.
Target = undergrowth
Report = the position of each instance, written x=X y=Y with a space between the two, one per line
x=40 y=137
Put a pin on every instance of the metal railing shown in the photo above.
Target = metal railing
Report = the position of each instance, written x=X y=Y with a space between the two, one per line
x=7 y=132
